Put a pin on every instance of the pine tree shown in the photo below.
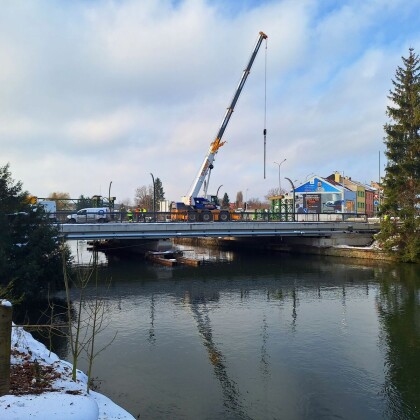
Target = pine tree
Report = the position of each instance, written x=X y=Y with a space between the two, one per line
x=401 y=225
x=30 y=251
x=225 y=201
x=160 y=194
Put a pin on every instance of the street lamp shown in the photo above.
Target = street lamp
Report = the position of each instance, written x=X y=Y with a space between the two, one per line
x=279 y=164
x=154 y=197
x=109 y=196
x=109 y=199
x=294 y=197
x=217 y=195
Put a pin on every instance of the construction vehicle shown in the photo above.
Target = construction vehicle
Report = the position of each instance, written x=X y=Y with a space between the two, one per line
x=207 y=208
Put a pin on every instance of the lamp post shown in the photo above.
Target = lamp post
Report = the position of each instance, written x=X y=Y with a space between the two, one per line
x=109 y=199
x=279 y=164
x=154 y=197
x=294 y=198
x=217 y=192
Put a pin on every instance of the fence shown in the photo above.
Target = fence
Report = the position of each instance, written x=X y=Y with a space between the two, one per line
x=183 y=216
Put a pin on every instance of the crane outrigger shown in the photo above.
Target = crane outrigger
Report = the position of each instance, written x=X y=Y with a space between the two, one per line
x=201 y=208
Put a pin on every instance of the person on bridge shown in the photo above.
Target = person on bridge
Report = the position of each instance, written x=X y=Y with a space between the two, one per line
x=129 y=215
x=137 y=213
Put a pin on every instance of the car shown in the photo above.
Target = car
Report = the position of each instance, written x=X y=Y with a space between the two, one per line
x=90 y=215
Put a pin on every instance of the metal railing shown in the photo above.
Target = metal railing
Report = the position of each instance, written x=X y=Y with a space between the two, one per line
x=182 y=217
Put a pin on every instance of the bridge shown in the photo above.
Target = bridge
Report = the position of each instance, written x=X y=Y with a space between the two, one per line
x=233 y=229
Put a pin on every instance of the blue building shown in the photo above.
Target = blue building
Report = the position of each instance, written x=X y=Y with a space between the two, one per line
x=319 y=195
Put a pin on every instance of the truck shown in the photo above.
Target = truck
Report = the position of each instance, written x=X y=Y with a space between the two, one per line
x=207 y=208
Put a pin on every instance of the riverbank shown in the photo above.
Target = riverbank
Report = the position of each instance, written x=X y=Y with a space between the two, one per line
x=42 y=388
x=343 y=251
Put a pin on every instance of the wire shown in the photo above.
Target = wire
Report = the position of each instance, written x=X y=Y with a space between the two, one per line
x=265 y=106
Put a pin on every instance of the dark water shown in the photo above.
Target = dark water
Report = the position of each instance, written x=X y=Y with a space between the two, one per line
x=249 y=336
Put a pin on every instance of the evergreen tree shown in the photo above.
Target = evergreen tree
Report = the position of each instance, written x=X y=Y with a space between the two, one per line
x=225 y=201
x=160 y=194
x=401 y=225
x=30 y=251
x=83 y=202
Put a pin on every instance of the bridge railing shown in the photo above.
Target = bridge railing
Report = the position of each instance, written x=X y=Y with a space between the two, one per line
x=182 y=217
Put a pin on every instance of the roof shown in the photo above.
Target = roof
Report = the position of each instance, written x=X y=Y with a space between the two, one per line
x=317 y=184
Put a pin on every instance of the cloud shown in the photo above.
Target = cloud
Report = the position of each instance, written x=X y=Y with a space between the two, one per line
x=93 y=92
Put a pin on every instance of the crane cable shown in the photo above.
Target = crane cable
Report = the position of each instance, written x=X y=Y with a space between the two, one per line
x=265 y=104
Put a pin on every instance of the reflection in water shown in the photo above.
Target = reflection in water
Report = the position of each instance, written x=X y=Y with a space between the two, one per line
x=152 y=338
x=264 y=354
x=278 y=337
x=80 y=250
x=231 y=394
x=399 y=310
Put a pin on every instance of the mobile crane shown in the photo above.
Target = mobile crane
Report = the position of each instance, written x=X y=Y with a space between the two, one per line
x=193 y=207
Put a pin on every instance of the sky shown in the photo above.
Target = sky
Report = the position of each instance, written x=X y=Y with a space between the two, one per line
x=96 y=94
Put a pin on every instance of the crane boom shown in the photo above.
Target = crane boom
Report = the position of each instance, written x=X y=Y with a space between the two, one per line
x=217 y=143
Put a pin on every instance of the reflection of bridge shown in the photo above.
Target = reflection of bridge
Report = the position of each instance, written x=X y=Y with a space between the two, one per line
x=228 y=229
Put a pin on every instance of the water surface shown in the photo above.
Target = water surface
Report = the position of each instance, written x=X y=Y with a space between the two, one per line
x=250 y=336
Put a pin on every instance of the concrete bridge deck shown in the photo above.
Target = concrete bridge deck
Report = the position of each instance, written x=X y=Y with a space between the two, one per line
x=214 y=229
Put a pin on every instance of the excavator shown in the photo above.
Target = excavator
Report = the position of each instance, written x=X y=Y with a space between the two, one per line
x=207 y=208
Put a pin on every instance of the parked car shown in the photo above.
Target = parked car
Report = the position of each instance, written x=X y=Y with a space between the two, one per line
x=90 y=215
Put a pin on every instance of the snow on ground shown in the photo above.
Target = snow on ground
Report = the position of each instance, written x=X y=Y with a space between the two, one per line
x=373 y=247
x=64 y=399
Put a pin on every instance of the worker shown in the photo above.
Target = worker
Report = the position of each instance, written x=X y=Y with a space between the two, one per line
x=129 y=215
x=137 y=212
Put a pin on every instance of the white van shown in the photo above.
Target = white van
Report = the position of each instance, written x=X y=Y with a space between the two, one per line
x=90 y=215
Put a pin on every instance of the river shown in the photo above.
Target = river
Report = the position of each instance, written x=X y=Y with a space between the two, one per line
x=260 y=336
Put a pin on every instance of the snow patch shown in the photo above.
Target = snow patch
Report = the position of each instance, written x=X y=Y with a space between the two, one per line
x=69 y=400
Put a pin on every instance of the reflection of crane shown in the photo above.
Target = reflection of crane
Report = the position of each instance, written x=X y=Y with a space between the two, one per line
x=231 y=394
x=201 y=207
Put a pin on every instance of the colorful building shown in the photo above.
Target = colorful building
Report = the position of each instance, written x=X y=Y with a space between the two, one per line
x=364 y=193
x=320 y=195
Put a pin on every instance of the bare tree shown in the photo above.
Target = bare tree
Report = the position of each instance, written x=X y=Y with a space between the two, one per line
x=239 y=199
x=96 y=310
x=126 y=203
x=144 y=197
x=62 y=199
x=88 y=320
x=272 y=192
x=256 y=203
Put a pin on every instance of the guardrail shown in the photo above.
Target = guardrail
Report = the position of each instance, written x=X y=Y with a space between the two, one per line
x=182 y=217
